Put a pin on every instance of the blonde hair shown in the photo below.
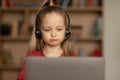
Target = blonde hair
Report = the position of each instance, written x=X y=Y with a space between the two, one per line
x=40 y=45
x=33 y=41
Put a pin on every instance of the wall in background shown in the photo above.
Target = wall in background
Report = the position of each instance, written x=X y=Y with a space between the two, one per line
x=112 y=39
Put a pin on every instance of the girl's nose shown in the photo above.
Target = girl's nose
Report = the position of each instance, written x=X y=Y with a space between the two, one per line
x=53 y=34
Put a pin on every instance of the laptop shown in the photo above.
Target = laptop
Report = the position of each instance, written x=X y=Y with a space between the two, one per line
x=65 y=68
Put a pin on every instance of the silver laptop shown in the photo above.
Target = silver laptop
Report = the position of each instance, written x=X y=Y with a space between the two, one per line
x=64 y=68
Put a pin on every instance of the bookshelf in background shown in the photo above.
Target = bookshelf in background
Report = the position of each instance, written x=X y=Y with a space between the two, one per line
x=81 y=3
x=86 y=26
x=17 y=18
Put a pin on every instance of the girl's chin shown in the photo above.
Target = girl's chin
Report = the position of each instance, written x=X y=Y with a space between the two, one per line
x=53 y=44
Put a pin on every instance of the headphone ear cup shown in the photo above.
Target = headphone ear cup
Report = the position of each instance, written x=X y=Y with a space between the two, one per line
x=67 y=34
x=38 y=34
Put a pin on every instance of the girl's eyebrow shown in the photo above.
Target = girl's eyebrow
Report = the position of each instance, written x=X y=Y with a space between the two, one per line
x=61 y=26
x=51 y=27
x=46 y=27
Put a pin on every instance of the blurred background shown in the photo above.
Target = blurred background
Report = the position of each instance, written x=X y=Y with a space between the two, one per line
x=94 y=26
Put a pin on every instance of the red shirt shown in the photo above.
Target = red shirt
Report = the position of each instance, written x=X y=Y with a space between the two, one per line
x=21 y=76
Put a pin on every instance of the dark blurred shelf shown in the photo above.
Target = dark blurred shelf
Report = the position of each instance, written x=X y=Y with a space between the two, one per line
x=34 y=9
x=5 y=38
x=76 y=9
x=10 y=68
x=89 y=39
x=11 y=9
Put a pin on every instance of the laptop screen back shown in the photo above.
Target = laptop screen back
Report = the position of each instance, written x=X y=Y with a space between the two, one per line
x=64 y=68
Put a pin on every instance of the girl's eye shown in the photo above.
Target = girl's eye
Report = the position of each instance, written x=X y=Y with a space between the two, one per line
x=47 y=29
x=59 y=29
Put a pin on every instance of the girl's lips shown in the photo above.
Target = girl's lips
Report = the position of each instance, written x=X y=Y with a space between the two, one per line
x=53 y=39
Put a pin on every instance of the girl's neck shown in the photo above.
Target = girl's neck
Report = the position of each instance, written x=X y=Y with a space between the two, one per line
x=54 y=51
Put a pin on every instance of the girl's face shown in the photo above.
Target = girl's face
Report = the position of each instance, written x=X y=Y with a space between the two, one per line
x=53 y=29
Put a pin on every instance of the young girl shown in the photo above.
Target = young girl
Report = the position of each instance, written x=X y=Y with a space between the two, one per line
x=32 y=43
x=52 y=34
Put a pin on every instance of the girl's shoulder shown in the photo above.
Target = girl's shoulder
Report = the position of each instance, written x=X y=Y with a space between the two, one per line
x=36 y=53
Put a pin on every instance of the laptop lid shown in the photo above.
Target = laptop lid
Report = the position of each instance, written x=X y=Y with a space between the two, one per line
x=64 y=68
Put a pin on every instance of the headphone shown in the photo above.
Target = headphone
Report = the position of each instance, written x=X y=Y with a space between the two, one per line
x=37 y=31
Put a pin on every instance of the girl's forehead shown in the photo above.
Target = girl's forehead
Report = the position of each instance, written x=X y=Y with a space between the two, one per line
x=54 y=14
x=53 y=17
